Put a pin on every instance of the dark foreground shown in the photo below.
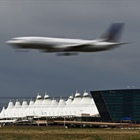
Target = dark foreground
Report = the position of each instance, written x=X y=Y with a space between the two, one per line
x=60 y=133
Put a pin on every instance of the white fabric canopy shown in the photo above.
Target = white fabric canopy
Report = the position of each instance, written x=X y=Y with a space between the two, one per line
x=77 y=106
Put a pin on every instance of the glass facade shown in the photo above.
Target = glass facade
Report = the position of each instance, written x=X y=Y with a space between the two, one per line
x=116 y=105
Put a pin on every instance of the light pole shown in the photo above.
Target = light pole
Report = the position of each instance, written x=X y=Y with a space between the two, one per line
x=64 y=121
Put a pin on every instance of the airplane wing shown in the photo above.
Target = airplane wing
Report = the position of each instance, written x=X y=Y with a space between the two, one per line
x=66 y=47
x=72 y=49
x=75 y=46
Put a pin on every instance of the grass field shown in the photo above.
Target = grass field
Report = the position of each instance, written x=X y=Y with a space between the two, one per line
x=47 y=133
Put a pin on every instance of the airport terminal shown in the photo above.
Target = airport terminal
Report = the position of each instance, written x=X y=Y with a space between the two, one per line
x=118 y=105
x=111 y=106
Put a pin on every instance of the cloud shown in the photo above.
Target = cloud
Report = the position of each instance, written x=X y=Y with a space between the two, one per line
x=29 y=73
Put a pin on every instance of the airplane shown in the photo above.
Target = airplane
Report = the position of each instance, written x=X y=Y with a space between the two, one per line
x=64 y=46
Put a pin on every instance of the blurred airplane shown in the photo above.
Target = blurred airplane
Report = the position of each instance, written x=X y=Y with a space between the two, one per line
x=62 y=46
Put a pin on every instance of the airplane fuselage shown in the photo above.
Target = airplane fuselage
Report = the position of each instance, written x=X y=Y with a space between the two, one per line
x=49 y=44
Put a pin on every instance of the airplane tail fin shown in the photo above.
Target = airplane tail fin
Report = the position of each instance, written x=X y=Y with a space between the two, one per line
x=113 y=33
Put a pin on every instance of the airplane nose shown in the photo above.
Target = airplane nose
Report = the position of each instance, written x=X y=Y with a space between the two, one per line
x=13 y=42
x=10 y=42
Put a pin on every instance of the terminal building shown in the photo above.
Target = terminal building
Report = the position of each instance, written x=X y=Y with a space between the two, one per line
x=77 y=106
x=118 y=105
x=121 y=105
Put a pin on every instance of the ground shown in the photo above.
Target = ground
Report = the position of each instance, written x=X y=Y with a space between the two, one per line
x=61 y=133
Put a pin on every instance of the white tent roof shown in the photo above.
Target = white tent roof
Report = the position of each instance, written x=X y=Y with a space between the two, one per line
x=85 y=104
x=59 y=109
x=29 y=111
x=9 y=109
x=51 y=108
x=38 y=100
x=74 y=106
x=46 y=103
x=10 y=105
x=66 y=109
x=23 y=108
x=15 y=111
x=69 y=101
x=93 y=109
x=37 y=105
x=2 y=114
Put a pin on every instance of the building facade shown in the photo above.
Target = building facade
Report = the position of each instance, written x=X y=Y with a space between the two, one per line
x=118 y=105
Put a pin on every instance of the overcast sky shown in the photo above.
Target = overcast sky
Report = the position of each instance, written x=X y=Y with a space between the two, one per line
x=27 y=73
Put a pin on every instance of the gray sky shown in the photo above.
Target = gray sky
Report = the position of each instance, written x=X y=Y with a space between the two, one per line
x=27 y=73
